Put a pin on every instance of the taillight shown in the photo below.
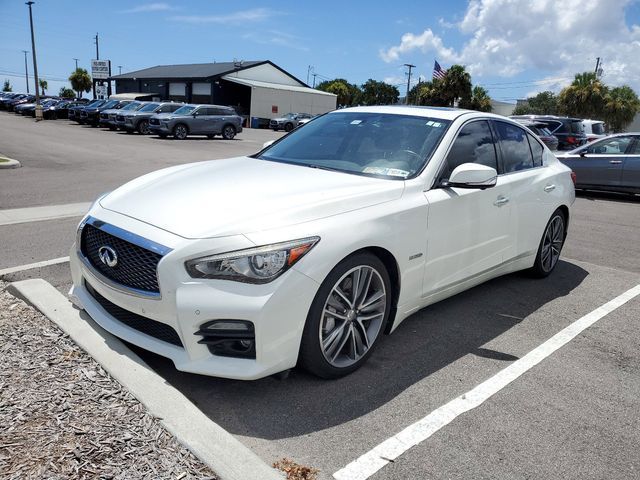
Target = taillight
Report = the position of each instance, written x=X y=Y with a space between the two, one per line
x=573 y=177
x=572 y=140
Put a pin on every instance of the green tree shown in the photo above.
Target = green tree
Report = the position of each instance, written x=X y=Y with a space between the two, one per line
x=43 y=85
x=66 y=93
x=479 y=100
x=378 y=93
x=80 y=81
x=428 y=94
x=544 y=103
x=347 y=93
x=456 y=86
x=584 y=98
x=621 y=104
x=7 y=86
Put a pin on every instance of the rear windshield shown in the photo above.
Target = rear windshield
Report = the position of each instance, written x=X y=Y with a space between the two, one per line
x=598 y=128
x=575 y=126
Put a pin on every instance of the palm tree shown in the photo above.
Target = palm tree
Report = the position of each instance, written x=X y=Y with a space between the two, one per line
x=43 y=85
x=584 y=97
x=456 y=85
x=80 y=81
x=620 y=107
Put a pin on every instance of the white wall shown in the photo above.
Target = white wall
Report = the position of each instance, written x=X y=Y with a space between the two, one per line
x=502 y=108
x=265 y=73
x=635 y=125
x=262 y=100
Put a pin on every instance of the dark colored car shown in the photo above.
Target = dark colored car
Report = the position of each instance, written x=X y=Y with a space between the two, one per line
x=30 y=109
x=138 y=120
x=209 y=120
x=108 y=116
x=611 y=164
x=91 y=115
x=59 y=110
x=9 y=98
x=75 y=112
x=569 y=131
x=542 y=132
x=19 y=101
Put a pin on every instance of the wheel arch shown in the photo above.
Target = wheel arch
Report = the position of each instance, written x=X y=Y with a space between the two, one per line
x=565 y=211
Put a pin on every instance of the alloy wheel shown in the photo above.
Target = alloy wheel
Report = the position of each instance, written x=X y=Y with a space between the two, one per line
x=552 y=243
x=180 y=132
x=229 y=132
x=352 y=316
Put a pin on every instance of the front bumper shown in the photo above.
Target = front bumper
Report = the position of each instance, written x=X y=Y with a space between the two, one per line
x=160 y=129
x=277 y=310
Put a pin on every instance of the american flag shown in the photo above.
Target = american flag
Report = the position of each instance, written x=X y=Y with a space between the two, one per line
x=438 y=72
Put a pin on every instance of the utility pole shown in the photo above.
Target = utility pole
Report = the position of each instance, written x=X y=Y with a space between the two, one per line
x=38 y=109
x=119 y=69
x=309 y=70
x=314 y=79
x=408 y=65
x=597 y=65
x=96 y=41
x=76 y=63
x=26 y=70
x=97 y=48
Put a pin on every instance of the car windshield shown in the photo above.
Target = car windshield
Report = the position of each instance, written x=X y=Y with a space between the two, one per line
x=132 y=106
x=374 y=144
x=291 y=115
x=111 y=104
x=186 y=110
x=598 y=128
x=150 y=107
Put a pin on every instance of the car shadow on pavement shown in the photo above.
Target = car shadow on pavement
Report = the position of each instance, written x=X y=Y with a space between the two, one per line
x=611 y=196
x=423 y=344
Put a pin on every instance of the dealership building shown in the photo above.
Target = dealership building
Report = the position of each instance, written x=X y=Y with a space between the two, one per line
x=258 y=89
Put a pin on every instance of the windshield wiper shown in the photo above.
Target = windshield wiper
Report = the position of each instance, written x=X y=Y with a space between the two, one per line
x=321 y=167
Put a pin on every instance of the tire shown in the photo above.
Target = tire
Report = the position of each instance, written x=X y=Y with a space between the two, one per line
x=180 y=131
x=288 y=127
x=348 y=350
x=211 y=136
x=550 y=246
x=228 y=132
x=162 y=135
x=143 y=127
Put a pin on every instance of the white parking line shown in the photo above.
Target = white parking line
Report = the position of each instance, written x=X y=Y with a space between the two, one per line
x=48 y=212
x=30 y=266
x=392 y=448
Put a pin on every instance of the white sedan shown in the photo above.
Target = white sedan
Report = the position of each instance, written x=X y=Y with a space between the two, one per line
x=309 y=251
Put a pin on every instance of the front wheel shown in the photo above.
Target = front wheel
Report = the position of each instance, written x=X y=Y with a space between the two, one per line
x=143 y=127
x=288 y=127
x=346 y=317
x=550 y=245
x=228 y=132
x=180 y=132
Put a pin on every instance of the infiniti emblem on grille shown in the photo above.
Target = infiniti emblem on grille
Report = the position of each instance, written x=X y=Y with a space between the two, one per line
x=108 y=256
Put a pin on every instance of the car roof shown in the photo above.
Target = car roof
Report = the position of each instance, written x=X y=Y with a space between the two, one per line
x=547 y=117
x=444 y=113
x=592 y=122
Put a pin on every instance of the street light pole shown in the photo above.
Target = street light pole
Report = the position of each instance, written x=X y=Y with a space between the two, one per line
x=26 y=70
x=76 y=63
x=409 y=66
x=38 y=109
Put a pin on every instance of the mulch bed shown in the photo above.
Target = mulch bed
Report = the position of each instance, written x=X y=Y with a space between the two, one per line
x=62 y=416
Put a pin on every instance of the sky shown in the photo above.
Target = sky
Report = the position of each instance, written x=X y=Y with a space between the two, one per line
x=513 y=48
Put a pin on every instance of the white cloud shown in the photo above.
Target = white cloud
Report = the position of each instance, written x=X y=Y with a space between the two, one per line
x=507 y=37
x=150 y=7
x=253 y=15
x=276 y=37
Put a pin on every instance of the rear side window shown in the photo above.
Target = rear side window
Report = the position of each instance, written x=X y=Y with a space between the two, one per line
x=536 y=150
x=576 y=126
x=516 y=154
x=474 y=144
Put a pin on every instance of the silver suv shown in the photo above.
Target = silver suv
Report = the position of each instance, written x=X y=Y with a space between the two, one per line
x=288 y=122
x=209 y=120
x=139 y=119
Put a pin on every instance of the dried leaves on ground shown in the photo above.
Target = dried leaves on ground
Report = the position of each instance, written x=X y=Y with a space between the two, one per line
x=295 y=471
x=62 y=416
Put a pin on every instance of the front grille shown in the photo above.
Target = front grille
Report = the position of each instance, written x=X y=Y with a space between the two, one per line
x=104 y=116
x=120 y=118
x=153 y=328
x=154 y=121
x=83 y=114
x=136 y=266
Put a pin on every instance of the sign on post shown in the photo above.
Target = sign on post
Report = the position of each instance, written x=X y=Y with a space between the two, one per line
x=102 y=92
x=100 y=69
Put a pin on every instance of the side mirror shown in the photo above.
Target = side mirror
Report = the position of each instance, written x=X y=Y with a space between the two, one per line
x=583 y=153
x=472 y=175
x=266 y=144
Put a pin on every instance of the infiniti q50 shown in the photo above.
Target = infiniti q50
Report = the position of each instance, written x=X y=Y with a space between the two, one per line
x=310 y=251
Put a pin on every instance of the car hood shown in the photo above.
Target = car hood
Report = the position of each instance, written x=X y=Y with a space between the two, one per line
x=242 y=195
x=160 y=116
x=282 y=119
x=110 y=111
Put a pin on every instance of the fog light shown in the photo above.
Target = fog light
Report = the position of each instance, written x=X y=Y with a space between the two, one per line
x=229 y=338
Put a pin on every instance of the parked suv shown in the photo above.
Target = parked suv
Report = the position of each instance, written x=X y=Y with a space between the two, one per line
x=108 y=115
x=542 y=131
x=594 y=129
x=138 y=120
x=569 y=131
x=288 y=122
x=91 y=115
x=75 y=113
x=209 y=120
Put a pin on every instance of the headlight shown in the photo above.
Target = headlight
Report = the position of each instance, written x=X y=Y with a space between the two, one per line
x=254 y=265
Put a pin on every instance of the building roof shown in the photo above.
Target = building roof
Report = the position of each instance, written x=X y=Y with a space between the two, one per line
x=277 y=86
x=190 y=70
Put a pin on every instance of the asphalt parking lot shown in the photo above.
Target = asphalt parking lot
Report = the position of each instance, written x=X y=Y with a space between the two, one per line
x=574 y=415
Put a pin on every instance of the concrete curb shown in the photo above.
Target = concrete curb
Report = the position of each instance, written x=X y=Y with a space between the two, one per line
x=213 y=445
x=10 y=164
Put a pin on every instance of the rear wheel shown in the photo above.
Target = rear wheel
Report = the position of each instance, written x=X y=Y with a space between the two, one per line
x=550 y=245
x=347 y=317
x=288 y=127
x=228 y=132
x=180 y=132
x=143 y=127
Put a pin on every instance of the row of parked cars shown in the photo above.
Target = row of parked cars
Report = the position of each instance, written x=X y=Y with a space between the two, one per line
x=161 y=118
x=563 y=133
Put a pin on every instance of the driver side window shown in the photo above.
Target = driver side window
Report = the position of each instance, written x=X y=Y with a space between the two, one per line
x=611 y=146
x=474 y=144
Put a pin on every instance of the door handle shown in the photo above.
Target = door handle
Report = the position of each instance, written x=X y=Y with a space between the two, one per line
x=501 y=201
x=615 y=161
x=549 y=188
